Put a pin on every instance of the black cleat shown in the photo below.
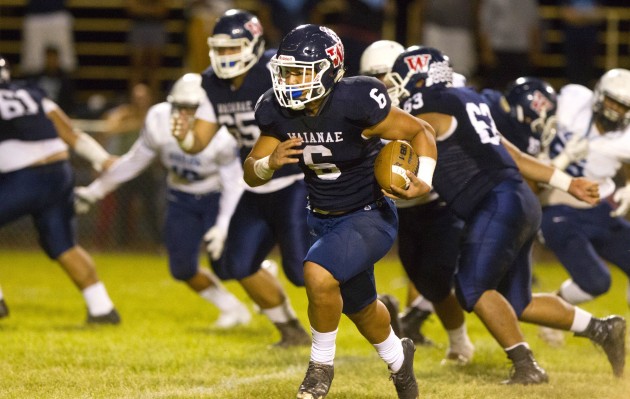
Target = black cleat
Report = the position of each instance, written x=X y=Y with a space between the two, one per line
x=4 y=309
x=292 y=334
x=525 y=370
x=391 y=303
x=317 y=381
x=610 y=334
x=411 y=323
x=110 y=318
x=405 y=380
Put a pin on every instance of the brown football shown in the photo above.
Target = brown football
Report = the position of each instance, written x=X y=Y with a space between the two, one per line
x=392 y=161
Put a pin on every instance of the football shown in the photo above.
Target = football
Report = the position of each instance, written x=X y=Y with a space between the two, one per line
x=392 y=161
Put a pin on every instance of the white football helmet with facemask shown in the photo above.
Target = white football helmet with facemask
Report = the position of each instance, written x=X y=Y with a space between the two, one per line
x=615 y=85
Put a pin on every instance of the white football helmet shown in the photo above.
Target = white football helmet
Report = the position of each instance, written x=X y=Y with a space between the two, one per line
x=615 y=85
x=378 y=57
x=187 y=91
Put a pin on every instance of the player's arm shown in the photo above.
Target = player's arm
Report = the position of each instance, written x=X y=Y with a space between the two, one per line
x=622 y=195
x=267 y=156
x=231 y=192
x=399 y=125
x=123 y=169
x=533 y=169
x=81 y=142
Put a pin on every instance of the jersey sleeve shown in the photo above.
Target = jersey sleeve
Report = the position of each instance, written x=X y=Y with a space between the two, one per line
x=265 y=114
x=366 y=100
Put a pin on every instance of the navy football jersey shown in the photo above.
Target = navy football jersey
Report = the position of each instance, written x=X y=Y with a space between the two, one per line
x=471 y=160
x=235 y=108
x=338 y=162
x=517 y=133
x=22 y=115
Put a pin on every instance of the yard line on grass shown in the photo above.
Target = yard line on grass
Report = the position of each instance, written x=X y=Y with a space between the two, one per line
x=228 y=383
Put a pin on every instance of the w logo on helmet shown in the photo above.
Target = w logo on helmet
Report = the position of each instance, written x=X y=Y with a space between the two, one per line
x=418 y=63
x=335 y=53
x=254 y=27
x=540 y=102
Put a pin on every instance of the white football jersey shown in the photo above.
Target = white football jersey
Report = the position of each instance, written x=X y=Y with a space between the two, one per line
x=215 y=169
x=606 y=152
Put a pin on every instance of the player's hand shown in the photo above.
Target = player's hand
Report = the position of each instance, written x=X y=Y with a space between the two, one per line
x=215 y=240
x=622 y=198
x=585 y=190
x=83 y=200
x=417 y=188
x=180 y=125
x=285 y=153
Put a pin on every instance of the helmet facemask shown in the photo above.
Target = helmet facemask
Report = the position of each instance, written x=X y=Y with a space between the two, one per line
x=311 y=76
x=227 y=66
x=611 y=114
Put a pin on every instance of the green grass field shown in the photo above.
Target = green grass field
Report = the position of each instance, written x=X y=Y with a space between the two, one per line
x=165 y=347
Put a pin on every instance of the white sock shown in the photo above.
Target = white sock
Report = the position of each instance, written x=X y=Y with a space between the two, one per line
x=277 y=314
x=391 y=351
x=221 y=298
x=458 y=339
x=573 y=294
x=422 y=303
x=1 y=295
x=525 y=344
x=97 y=300
x=323 y=347
x=580 y=320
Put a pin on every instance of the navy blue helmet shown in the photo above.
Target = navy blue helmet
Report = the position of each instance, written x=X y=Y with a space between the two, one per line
x=533 y=102
x=235 y=30
x=309 y=61
x=419 y=67
x=5 y=71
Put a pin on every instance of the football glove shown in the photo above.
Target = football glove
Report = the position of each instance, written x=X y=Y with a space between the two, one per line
x=622 y=198
x=215 y=240
x=575 y=149
x=83 y=200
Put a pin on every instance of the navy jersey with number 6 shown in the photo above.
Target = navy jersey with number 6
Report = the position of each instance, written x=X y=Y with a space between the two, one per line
x=338 y=160
x=471 y=159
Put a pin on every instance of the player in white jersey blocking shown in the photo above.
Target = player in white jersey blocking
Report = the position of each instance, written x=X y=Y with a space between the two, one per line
x=203 y=190
x=585 y=237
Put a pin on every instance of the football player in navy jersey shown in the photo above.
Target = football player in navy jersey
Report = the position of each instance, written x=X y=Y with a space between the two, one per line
x=331 y=127
x=478 y=176
x=428 y=243
x=36 y=179
x=264 y=217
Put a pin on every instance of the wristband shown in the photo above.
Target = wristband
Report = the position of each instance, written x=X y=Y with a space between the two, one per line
x=188 y=142
x=262 y=169
x=91 y=150
x=560 y=180
x=426 y=169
